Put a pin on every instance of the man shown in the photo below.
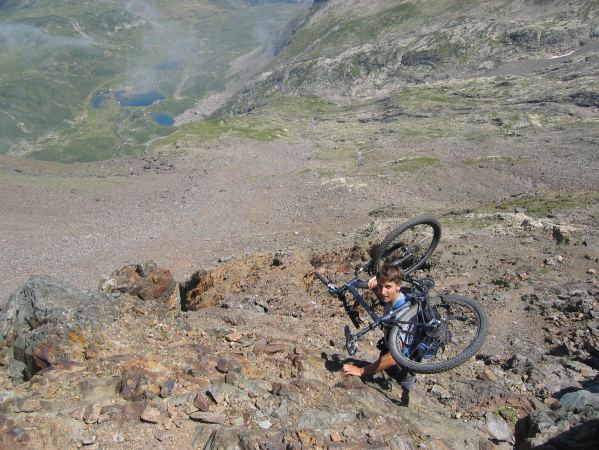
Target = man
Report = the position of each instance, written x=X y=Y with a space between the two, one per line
x=387 y=284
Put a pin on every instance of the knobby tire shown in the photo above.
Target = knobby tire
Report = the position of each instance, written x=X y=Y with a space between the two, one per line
x=395 y=340
x=386 y=251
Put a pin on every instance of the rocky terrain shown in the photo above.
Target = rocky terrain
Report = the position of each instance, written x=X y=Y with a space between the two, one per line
x=247 y=354
x=481 y=114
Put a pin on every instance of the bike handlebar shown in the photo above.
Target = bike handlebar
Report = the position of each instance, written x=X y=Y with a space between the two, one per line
x=422 y=284
x=321 y=278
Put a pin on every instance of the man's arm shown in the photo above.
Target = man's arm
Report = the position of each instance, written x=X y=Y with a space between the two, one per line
x=384 y=362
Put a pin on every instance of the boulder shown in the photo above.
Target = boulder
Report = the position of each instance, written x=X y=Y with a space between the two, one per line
x=498 y=428
x=146 y=281
x=572 y=425
x=47 y=322
x=576 y=401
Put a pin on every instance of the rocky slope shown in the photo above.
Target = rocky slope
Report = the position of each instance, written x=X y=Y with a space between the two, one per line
x=352 y=50
x=346 y=136
x=247 y=354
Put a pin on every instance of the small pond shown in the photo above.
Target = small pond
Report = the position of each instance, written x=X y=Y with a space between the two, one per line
x=167 y=65
x=144 y=99
x=98 y=99
x=162 y=118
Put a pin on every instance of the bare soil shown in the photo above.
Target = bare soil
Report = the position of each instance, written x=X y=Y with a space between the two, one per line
x=233 y=197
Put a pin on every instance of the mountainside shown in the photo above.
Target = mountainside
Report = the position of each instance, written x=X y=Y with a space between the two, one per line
x=247 y=354
x=362 y=49
x=90 y=80
x=357 y=116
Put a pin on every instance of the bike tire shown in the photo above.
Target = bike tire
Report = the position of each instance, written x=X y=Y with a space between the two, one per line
x=463 y=341
x=401 y=248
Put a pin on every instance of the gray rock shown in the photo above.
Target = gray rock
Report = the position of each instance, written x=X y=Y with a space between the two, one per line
x=150 y=415
x=282 y=412
x=91 y=414
x=225 y=365
x=265 y=424
x=323 y=419
x=208 y=417
x=498 y=428
x=401 y=442
x=45 y=318
x=245 y=303
x=440 y=392
x=576 y=401
x=167 y=388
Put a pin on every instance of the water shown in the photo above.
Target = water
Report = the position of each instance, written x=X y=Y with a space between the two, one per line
x=145 y=99
x=162 y=118
x=98 y=100
x=167 y=65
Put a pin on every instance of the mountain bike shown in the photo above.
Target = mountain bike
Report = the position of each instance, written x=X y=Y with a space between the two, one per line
x=427 y=334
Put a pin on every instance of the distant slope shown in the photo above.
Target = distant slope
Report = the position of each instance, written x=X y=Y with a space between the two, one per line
x=364 y=48
x=65 y=64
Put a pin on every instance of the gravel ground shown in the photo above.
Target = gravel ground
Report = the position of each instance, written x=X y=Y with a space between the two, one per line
x=234 y=197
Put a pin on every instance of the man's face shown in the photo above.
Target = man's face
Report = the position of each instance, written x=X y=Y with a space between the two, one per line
x=389 y=291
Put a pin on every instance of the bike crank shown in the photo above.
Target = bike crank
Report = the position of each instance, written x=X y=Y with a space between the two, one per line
x=350 y=342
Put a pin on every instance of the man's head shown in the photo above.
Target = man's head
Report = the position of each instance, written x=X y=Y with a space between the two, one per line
x=388 y=281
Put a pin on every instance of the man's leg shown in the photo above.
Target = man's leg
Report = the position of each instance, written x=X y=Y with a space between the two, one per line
x=406 y=379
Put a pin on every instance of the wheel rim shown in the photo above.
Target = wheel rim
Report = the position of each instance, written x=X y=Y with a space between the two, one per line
x=457 y=329
x=410 y=248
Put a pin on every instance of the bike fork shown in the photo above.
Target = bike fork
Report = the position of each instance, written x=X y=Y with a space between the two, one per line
x=351 y=339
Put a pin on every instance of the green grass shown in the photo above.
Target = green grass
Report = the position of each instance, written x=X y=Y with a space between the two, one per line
x=507 y=413
x=414 y=164
x=62 y=53
x=331 y=36
x=257 y=128
x=303 y=107
x=469 y=222
x=541 y=204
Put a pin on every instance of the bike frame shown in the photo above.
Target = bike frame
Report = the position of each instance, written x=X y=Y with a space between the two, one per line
x=388 y=319
x=352 y=286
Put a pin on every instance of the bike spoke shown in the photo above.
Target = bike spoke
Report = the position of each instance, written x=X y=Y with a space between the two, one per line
x=428 y=342
x=411 y=247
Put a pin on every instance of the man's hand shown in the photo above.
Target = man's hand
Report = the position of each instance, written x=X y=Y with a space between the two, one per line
x=383 y=363
x=372 y=284
x=350 y=369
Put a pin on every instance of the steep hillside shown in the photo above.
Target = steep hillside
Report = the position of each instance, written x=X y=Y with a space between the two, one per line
x=406 y=89
x=247 y=354
x=364 y=49
x=89 y=80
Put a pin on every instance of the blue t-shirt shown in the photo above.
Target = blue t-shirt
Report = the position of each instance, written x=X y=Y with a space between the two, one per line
x=397 y=304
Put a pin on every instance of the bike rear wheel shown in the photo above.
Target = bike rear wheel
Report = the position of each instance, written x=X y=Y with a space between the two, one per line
x=409 y=245
x=421 y=348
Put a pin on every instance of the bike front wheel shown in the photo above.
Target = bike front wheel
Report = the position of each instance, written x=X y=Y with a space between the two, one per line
x=454 y=332
x=409 y=245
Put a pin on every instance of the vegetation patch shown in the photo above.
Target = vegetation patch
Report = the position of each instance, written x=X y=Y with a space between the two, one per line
x=300 y=106
x=346 y=31
x=507 y=413
x=257 y=128
x=468 y=221
x=542 y=204
x=493 y=159
x=414 y=164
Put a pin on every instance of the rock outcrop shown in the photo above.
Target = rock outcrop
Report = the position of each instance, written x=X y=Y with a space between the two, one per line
x=48 y=323
x=257 y=362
